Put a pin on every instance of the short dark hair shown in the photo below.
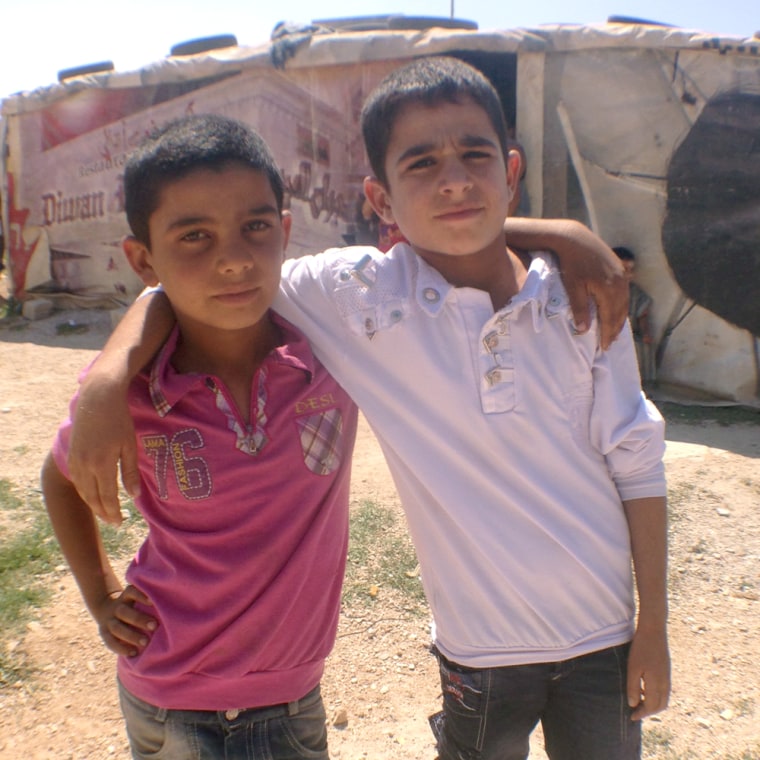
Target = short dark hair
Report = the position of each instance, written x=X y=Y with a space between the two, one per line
x=206 y=141
x=428 y=81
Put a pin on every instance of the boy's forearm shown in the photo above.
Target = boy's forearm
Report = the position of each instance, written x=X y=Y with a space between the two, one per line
x=647 y=524
x=530 y=234
x=573 y=243
x=78 y=536
x=566 y=237
x=135 y=340
x=102 y=435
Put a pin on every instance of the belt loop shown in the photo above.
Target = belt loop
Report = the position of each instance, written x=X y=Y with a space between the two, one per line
x=293 y=708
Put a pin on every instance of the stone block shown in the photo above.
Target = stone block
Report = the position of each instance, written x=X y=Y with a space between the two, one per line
x=37 y=308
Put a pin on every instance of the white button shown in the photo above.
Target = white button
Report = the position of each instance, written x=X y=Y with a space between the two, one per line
x=431 y=295
x=231 y=714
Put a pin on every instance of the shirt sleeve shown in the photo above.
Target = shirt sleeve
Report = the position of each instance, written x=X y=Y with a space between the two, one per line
x=625 y=426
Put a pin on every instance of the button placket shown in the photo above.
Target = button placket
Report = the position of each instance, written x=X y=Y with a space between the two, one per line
x=497 y=385
x=497 y=352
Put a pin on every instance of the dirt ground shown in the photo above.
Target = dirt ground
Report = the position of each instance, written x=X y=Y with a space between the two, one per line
x=381 y=683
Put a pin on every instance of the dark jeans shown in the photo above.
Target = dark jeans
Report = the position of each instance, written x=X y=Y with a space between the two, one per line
x=489 y=714
x=295 y=731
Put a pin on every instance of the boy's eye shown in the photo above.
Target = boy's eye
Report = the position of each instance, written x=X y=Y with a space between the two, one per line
x=194 y=235
x=420 y=163
x=257 y=225
x=477 y=153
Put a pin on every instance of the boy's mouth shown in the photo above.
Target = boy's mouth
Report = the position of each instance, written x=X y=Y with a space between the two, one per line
x=237 y=295
x=457 y=214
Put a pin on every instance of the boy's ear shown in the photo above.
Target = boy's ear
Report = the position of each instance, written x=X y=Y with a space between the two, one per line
x=140 y=259
x=514 y=171
x=379 y=198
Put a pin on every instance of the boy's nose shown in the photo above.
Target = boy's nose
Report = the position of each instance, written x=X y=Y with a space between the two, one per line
x=454 y=177
x=234 y=256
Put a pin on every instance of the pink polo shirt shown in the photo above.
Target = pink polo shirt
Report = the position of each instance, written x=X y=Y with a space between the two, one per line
x=248 y=529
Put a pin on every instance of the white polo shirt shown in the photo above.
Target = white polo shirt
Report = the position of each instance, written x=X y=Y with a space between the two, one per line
x=511 y=441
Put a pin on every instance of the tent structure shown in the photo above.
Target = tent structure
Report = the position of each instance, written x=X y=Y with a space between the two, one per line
x=650 y=134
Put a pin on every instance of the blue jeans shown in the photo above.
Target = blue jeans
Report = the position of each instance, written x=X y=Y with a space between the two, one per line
x=294 y=731
x=489 y=714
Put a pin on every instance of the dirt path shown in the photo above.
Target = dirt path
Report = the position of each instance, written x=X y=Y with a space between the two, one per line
x=380 y=676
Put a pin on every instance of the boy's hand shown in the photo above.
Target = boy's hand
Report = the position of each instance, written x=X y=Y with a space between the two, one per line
x=595 y=274
x=124 y=629
x=648 y=674
x=589 y=268
x=102 y=436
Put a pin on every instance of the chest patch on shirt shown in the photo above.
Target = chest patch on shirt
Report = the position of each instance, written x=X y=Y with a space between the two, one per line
x=321 y=440
x=179 y=455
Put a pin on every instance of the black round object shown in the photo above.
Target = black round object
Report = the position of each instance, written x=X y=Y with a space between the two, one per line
x=711 y=232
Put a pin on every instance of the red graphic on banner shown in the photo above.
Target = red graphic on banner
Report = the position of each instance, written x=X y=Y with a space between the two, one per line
x=20 y=253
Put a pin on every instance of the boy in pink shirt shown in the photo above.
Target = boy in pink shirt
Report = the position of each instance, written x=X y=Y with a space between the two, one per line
x=232 y=602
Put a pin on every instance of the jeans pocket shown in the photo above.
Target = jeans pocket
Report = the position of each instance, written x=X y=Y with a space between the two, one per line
x=302 y=736
x=145 y=724
x=465 y=700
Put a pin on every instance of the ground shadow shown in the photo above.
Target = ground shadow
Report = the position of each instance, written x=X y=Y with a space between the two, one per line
x=713 y=426
x=86 y=329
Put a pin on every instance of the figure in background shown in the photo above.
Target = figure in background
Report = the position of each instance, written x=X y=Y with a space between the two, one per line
x=638 y=312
